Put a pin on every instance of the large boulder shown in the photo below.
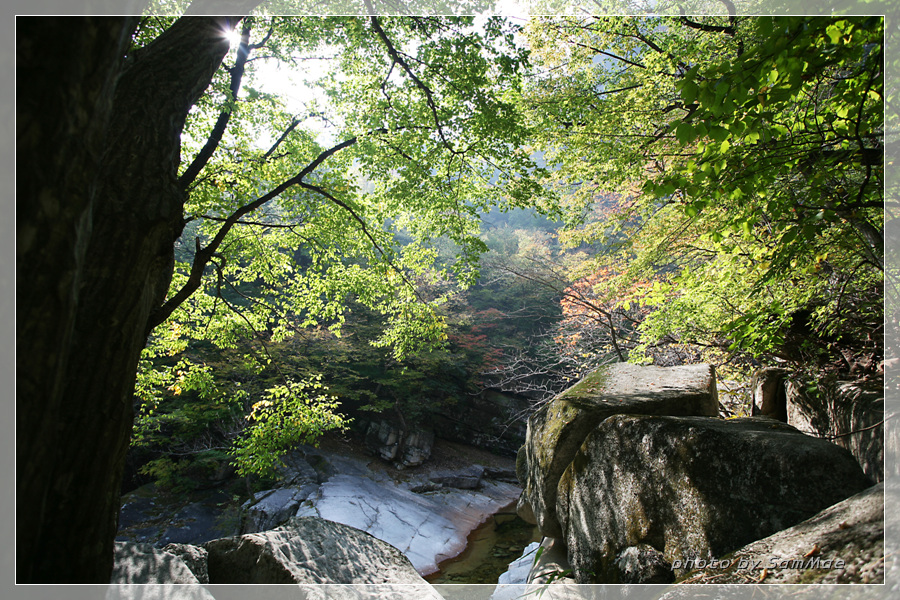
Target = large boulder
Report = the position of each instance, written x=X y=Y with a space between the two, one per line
x=842 y=544
x=143 y=563
x=309 y=551
x=557 y=430
x=692 y=488
x=193 y=556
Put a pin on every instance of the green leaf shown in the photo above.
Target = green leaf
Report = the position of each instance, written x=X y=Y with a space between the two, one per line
x=685 y=133
x=834 y=33
x=689 y=91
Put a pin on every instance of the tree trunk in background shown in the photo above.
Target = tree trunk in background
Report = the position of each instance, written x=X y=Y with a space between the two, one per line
x=98 y=212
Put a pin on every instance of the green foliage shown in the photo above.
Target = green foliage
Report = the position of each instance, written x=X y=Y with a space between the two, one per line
x=180 y=475
x=301 y=212
x=295 y=413
x=748 y=154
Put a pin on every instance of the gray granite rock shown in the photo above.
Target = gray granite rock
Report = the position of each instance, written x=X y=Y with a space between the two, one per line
x=557 y=430
x=842 y=544
x=309 y=551
x=846 y=412
x=644 y=564
x=142 y=563
x=271 y=508
x=194 y=557
x=693 y=487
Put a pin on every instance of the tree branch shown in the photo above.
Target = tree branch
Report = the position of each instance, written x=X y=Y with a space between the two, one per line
x=237 y=73
x=203 y=255
x=727 y=29
x=277 y=143
x=429 y=95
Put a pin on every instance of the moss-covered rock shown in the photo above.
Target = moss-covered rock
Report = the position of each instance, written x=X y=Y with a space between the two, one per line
x=693 y=488
x=557 y=430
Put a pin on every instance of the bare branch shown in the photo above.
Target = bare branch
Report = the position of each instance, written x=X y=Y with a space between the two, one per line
x=284 y=135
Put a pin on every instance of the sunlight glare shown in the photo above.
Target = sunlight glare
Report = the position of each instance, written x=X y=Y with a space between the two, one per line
x=233 y=37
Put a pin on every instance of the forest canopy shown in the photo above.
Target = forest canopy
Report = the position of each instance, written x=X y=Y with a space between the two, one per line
x=718 y=182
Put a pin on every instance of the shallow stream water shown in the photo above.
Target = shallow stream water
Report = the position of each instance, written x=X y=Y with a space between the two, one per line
x=490 y=548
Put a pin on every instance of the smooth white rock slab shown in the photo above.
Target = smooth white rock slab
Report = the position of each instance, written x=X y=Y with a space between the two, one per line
x=428 y=528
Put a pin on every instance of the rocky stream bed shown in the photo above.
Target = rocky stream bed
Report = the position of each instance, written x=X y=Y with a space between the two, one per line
x=453 y=517
x=632 y=476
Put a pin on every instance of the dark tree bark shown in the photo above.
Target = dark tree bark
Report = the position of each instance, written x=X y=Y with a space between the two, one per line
x=99 y=208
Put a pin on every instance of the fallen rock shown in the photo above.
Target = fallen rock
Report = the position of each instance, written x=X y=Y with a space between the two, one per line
x=271 y=508
x=465 y=479
x=310 y=550
x=842 y=544
x=142 y=563
x=501 y=474
x=693 y=488
x=557 y=430
x=194 y=557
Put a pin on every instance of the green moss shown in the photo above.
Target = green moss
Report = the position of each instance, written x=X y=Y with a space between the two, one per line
x=812 y=576
x=593 y=384
x=560 y=414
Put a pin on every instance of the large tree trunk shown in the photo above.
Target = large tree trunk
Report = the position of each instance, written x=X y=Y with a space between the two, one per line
x=99 y=209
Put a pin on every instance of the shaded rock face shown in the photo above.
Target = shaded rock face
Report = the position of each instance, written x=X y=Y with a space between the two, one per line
x=142 y=563
x=842 y=544
x=846 y=413
x=309 y=550
x=843 y=411
x=557 y=430
x=692 y=487
x=768 y=393
x=146 y=516
x=489 y=420
x=394 y=444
